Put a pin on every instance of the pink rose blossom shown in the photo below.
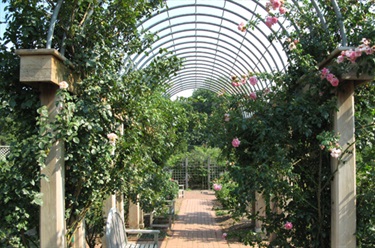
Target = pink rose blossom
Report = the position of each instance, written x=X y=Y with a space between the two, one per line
x=112 y=138
x=330 y=76
x=323 y=73
x=274 y=20
x=288 y=225
x=243 y=81
x=63 y=85
x=269 y=22
x=292 y=46
x=242 y=27
x=365 y=41
x=351 y=55
x=275 y=4
x=235 y=84
x=335 y=153
x=340 y=59
x=253 y=80
x=357 y=52
x=224 y=236
x=253 y=95
x=369 y=50
x=282 y=10
x=334 y=82
x=236 y=142
x=217 y=187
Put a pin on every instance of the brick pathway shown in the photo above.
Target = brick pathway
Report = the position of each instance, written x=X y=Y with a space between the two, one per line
x=195 y=226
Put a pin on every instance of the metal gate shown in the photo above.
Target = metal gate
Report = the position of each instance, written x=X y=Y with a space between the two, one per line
x=196 y=175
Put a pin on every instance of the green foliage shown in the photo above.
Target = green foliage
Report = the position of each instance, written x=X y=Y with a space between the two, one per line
x=200 y=107
x=282 y=132
x=94 y=222
x=96 y=37
x=198 y=155
x=224 y=195
x=365 y=141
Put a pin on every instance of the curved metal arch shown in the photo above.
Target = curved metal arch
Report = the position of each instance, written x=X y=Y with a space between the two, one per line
x=235 y=24
x=211 y=78
x=188 y=87
x=201 y=64
x=224 y=51
x=266 y=55
x=190 y=84
x=224 y=41
x=203 y=56
x=188 y=75
x=206 y=59
x=208 y=48
x=263 y=84
x=245 y=38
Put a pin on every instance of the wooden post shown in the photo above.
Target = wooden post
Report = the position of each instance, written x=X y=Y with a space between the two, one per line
x=141 y=219
x=109 y=203
x=134 y=215
x=209 y=174
x=186 y=174
x=52 y=211
x=44 y=69
x=343 y=195
x=79 y=236
x=260 y=209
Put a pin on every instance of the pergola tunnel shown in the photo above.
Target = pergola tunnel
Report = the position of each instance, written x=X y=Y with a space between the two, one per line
x=272 y=110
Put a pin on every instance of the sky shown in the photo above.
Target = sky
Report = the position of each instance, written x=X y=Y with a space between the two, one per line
x=2 y=18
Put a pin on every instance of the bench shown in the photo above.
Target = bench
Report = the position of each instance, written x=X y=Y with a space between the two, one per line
x=171 y=212
x=116 y=234
x=181 y=191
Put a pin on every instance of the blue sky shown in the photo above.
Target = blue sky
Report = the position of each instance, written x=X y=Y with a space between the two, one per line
x=2 y=18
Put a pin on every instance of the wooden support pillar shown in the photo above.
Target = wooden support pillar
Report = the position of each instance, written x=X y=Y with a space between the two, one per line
x=260 y=210
x=141 y=219
x=120 y=204
x=109 y=203
x=52 y=211
x=44 y=69
x=134 y=215
x=343 y=219
x=79 y=236
x=186 y=174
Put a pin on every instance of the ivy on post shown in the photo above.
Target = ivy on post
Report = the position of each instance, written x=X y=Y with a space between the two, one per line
x=44 y=69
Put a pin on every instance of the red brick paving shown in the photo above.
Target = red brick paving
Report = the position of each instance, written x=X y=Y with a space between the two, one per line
x=195 y=226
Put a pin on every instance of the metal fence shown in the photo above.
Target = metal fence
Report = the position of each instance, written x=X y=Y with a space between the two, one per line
x=196 y=175
x=4 y=150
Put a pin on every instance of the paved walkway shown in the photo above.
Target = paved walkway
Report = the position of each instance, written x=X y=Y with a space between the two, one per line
x=195 y=226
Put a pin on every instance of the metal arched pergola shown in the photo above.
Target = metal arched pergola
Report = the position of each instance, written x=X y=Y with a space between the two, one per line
x=204 y=34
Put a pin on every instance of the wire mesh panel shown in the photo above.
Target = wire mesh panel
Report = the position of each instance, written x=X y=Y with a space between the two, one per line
x=4 y=150
x=196 y=175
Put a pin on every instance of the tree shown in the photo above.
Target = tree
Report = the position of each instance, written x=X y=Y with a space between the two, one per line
x=96 y=37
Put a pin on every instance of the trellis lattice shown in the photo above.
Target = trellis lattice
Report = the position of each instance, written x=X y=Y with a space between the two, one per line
x=4 y=151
